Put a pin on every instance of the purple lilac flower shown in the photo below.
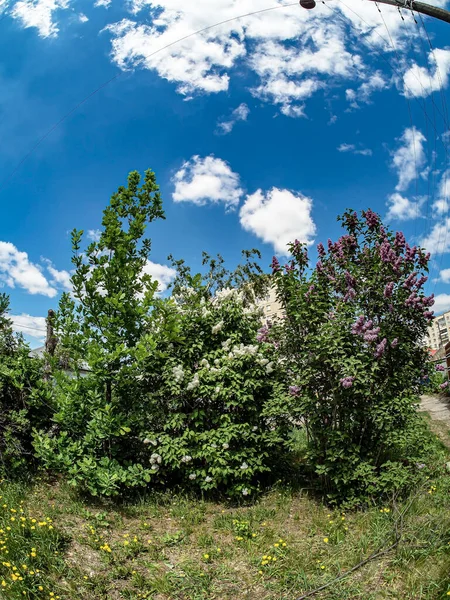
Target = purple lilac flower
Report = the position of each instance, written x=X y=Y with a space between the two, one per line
x=410 y=281
x=387 y=254
x=394 y=343
x=350 y=280
x=347 y=382
x=358 y=326
x=428 y=315
x=371 y=335
x=440 y=368
x=371 y=219
x=350 y=295
x=428 y=300
x=444 y=385
x=381 y=347
x=319 y=266
x=321 y=250
x=400 y=240
x=275 y=265
x=410 y=253
x=352 y=220
x=289 y=267
x=330 y=245
x=424 y=259
x=389 y=288
x=368 y=325
x=421 y=281
x=294 y=390
x=262 y=334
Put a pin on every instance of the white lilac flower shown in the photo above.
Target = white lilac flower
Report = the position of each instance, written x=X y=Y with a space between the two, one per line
x=155 y=458
x=225 y=446
x=147 y=441
x=244 y=466
x=255 y=428
x=178 y=373
x=194 y=383
x=217 y=390
x=269 y=367
x=204 y=363
x=217 y=362
x=186 y=458
x=208 y=479
x=225 y=293
x=245 y=492
x=192 y=476
x=217 y=327
x=226 y=343
x=263 y=362
x=205 y=313
x=155 y=467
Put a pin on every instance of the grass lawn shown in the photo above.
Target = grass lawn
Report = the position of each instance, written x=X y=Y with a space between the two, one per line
x=54 y=545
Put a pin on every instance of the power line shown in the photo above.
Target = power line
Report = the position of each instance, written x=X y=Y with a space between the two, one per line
x=106 y=83
x=17 y=326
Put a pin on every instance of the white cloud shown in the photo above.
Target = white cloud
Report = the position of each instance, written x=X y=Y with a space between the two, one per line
x=354 y=150
x=94 y=234
x=60 y=278
x=104 y=3
x=34 y=327
x=238 y=114
x=162 y=273
x=441 y=303
x=291 y=74
x=83 y=18
x=294 y=52
x=39 y=14
x=438 y=240
x=402 y=208
x=409 y=158
x=444 y=276
x=375 y=83
x=441 y=204
x=278 y=217
x=17 y=270
x=209 y=179
x=420 y=82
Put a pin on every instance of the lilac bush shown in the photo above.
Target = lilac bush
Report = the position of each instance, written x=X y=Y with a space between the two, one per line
x=351 y=343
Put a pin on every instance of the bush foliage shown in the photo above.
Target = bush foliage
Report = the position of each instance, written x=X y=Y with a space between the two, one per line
x=194 y=390
x=352 y=345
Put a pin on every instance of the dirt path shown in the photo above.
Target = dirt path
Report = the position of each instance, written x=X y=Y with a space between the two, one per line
x=437 y=407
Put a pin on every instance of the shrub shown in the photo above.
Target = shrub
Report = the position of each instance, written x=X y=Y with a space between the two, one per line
x=352 y=345
x=23 y=397
x=179 y=392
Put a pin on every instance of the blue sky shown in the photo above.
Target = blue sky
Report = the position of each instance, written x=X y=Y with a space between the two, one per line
x=260 y=130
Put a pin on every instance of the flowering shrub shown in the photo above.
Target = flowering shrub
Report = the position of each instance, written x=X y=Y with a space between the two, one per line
x=351 y=342
x=219 y=412
x=180 y=390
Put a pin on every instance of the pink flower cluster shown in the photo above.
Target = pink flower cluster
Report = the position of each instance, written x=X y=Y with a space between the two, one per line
x=347 y=382
x=440 y=368
x=372 y=219
x=275 y=265
x=294 y=390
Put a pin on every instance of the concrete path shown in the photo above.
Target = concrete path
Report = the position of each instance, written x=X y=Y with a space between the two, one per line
x=438 y=407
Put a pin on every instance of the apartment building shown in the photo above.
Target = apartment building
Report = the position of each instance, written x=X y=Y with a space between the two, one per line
x=272 y=308
x=438 y=331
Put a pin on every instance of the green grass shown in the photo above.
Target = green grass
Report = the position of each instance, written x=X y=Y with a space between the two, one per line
x=174 y=547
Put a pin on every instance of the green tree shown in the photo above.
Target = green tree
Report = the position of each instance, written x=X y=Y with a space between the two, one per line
x=100 y=326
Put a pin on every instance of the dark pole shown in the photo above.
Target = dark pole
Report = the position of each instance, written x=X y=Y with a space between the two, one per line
x=420 y=7
x=412 y=5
